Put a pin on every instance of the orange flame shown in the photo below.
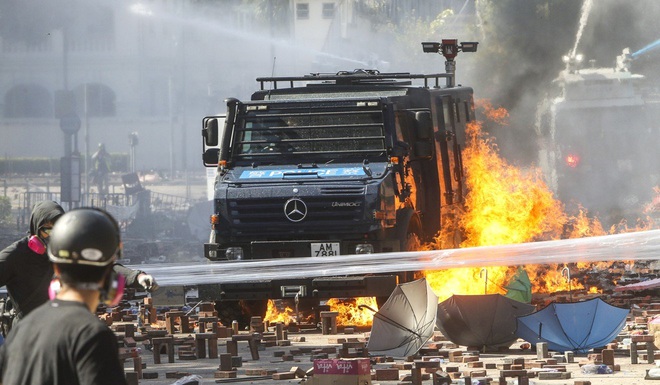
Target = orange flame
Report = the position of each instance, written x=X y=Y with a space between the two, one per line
x=350 y=314
x=497 y=115
x=582 y=226
x=275 y=315
x=654 y=206
x=506 y=205
x=549 y=279
x=595 y=290
x=445 y=283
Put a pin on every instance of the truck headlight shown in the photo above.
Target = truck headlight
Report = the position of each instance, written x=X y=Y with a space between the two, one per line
x=234 y=253
x=364 y=248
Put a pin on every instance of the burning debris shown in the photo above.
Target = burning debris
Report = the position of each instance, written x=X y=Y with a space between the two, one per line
x=506 y=205
x=349 y=312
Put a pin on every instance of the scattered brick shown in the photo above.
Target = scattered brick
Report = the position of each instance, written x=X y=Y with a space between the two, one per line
x=284 y=376
x=554 y=375
x=224 y=374
x=149 y=375
x=387 y=374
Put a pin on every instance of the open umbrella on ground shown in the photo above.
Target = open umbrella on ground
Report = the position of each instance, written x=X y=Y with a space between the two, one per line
x=405 y=322
x=519 y=287
x=576 y=326
x=486 y=322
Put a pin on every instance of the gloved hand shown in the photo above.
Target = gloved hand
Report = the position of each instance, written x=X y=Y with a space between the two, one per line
x=148 y=282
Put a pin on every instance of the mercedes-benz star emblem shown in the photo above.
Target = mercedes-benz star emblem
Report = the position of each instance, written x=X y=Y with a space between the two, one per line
x=295 y=210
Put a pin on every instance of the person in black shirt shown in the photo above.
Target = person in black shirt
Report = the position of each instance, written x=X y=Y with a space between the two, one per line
x=63 y=341
x=26 y=271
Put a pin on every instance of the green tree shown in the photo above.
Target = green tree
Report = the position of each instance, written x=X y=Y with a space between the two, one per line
x=400 y=26
x=408 y=35
x=277 y=14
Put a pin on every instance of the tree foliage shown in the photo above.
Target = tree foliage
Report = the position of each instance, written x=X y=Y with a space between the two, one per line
x=277 y=14
x=402 y=29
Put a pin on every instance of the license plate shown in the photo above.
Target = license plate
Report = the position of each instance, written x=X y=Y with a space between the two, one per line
x=325 y=249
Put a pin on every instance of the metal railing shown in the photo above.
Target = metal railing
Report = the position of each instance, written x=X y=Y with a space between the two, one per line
x=174 y=206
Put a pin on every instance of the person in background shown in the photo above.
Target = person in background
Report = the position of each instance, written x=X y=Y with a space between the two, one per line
x=27 y=272
x=63 y=341
x=100 y=169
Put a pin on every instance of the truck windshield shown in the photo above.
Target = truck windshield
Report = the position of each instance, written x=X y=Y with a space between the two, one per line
x=350 y=131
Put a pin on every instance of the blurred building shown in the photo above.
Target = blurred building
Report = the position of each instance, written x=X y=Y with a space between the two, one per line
x=156 y=68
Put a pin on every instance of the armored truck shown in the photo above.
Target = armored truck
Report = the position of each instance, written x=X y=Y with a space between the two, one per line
x=354 y=162
x=604 y=142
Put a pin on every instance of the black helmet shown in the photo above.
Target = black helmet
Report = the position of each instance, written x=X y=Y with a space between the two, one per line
x=86 y=236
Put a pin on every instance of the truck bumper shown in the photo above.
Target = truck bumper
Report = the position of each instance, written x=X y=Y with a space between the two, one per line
x=292 y=249
x=321 y=288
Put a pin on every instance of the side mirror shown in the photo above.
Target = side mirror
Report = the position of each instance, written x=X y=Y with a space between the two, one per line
x=211 y=157
x=423 y=125
x=210 y=131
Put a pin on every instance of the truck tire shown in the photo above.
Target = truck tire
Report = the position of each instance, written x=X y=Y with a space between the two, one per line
x=254 y=308
x=412 y=242
x=403 y=277
x=380 y=301
x=229 y=311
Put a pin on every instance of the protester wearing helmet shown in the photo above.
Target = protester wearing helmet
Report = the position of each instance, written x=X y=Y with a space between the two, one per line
x=26 y=271
x=63 y=341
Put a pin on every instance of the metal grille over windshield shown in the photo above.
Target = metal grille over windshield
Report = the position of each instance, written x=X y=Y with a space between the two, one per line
x=350 y=130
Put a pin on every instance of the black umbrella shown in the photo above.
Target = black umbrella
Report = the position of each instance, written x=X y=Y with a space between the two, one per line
x=483 y=321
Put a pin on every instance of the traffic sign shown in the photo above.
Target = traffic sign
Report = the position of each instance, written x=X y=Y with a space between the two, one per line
x=70 y=123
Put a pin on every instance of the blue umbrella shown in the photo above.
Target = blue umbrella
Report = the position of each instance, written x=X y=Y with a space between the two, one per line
x=576 y=326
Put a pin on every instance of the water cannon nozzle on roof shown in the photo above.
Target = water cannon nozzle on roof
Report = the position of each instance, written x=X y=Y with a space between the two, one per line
x=449 y=48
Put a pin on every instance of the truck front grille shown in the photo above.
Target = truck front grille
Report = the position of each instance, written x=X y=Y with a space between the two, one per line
x=342 y=190
x=325 y=213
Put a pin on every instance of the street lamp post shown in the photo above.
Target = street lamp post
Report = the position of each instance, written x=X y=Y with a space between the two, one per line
x=133 y=142
x=70 y=162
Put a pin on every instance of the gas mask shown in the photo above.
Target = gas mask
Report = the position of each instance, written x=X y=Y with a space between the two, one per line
x=111 y=291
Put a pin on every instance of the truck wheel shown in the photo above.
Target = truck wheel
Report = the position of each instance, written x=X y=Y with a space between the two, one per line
x=412 y=242
x=254 y=308
x=229 y=311
x=380 y=301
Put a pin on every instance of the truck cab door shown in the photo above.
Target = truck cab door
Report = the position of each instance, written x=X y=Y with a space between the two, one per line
x=449 y=161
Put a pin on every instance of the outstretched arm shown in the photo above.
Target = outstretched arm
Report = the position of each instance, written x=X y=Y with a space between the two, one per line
x=136 y=279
